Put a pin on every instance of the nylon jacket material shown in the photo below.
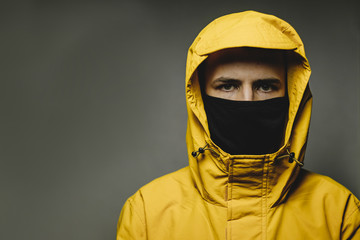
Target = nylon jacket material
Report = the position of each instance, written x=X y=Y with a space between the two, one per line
x=221 y=196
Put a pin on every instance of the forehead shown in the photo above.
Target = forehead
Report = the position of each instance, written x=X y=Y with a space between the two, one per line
x=251 y=55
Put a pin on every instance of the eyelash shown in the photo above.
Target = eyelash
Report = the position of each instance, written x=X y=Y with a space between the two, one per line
x=272 y=87
x=220 y=87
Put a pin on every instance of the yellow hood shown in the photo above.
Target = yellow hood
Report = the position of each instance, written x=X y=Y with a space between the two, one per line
x=221 y=196
x=210 y=170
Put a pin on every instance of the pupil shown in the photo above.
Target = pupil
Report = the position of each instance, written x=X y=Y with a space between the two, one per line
x=266 y=87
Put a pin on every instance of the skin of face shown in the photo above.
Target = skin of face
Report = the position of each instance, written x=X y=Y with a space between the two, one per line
x=245 y=74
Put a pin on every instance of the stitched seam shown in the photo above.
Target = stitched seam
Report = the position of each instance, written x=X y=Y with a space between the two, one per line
x=266 y=196
x=352 y=212
x=231 y=197
x=264 y=200
x=285 y=29
x=135 y=211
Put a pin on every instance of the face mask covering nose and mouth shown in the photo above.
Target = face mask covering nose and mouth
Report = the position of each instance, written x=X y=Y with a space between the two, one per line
x=246 y=127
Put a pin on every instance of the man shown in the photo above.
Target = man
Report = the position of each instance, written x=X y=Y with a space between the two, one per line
x=249 y=107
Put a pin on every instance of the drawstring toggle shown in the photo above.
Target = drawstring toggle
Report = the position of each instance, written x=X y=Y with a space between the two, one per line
x=291 y=156
x=202 y=150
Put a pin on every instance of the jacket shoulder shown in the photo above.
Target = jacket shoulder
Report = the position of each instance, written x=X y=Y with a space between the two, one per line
x=321 y=193
x=150 y=200
x=321 y=183
x=172 y=185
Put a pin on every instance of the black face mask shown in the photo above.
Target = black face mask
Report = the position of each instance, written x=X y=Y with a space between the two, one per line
x=246 y=127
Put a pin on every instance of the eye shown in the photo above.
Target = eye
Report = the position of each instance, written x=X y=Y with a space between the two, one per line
x=266 y=86
x=227 y=87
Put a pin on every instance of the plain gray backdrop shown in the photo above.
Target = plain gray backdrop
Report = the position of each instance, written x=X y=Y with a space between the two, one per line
x=93 y=103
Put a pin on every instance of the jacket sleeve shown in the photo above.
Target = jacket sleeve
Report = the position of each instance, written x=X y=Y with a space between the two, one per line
x=132 y=224
x=351 y=220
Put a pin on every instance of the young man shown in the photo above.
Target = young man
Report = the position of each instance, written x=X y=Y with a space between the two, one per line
x=249 y=107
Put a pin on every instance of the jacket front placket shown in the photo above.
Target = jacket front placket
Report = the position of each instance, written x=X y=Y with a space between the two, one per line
x=247 y=195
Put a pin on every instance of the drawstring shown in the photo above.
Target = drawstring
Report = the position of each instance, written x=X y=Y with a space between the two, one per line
x=202 y=150
x=291 y=156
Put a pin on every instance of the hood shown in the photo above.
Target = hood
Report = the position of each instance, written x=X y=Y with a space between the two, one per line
x=217 y=175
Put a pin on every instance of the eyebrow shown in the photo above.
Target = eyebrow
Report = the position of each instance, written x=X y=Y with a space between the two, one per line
x=233 y=80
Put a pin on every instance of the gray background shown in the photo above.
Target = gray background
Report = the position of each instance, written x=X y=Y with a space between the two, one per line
x=93 y=107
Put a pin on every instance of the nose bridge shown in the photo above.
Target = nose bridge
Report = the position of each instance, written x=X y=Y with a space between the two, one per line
x=247 y=92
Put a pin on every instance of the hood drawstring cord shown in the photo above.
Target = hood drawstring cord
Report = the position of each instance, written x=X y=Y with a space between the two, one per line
x=202 y=150
x=291 y=156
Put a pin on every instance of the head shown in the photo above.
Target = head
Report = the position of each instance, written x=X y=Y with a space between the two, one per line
x=241 y=79
x=244 y=74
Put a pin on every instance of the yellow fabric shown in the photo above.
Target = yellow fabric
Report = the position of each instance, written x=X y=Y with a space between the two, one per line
x=221 y=196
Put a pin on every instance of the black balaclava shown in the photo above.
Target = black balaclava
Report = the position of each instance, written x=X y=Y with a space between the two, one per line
x=246 y=127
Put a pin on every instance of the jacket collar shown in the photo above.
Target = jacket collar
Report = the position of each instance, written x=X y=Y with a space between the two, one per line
x=221 y=177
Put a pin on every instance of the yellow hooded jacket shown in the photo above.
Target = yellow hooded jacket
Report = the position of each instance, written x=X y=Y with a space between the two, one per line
x=222 y=196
